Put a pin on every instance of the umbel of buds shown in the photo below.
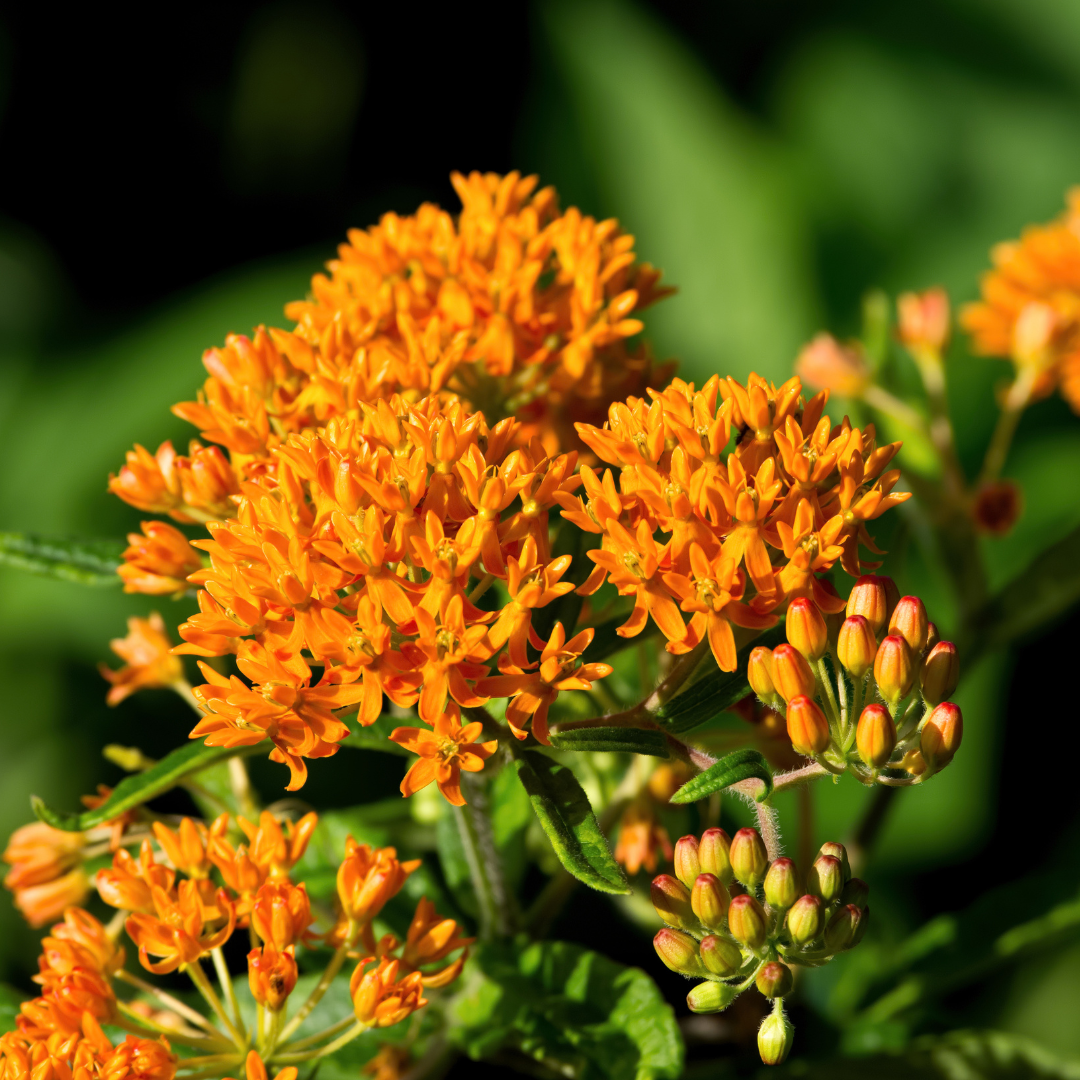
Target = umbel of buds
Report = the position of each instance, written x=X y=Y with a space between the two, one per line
x=736 y=920
x=866 y=695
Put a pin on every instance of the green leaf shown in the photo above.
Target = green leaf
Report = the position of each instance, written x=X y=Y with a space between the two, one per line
x=563 y=810
x=573 y=1011
x=716 y=692
x=730 y=769
x=10 y=1002
x=376 y=736
x=139 y=788
x=86 y=562
x=612 y=739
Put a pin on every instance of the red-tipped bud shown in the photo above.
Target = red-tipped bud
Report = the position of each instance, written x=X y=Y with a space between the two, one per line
x=806 y=726
x=782 y=884
x=846 y=928
x=775 y=1038
x=711 y=997
x=678 y=951
x=856 y=645
x=774 y=979
x=875 y=736
x=749 y=859
x=713 y=854
x=856 y=892
x=709 y=901
x=910 y=622
x=791 y=673
x=894 y=669
x=940 y=672
x=837 y=851
x=671 y=898
x=805 y=919
x=720 y=956
x=941 y=735
x=873 y=598
x=806 y=628
x=826 y=878
x=687 y=866
x=747 y=922
x=759 y=673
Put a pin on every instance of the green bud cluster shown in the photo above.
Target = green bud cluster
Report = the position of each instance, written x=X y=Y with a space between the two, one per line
x=735 y=920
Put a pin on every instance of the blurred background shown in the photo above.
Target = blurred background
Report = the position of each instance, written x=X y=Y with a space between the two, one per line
x=160 y=189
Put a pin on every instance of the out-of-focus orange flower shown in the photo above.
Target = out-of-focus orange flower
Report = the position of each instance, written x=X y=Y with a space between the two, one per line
x=443 y=752
x=390 y=1063
x=828 y=365
x=149 y=660
x=256 y=1070
x=641 y=838
x=923 y=320
x=380 y=998
x=140 y=1059
x=158 y=560
x=46 y=873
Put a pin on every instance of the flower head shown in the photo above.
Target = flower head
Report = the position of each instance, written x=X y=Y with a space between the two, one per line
x=149 y=661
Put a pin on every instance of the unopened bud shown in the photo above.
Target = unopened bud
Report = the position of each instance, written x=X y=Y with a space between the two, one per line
x=774 y=979
x=856 y=645
x=805 y=919
x=837 y=851
x=826 y=878
x=709 y=901
x=873 y=598
x=792 y=675
x=687 y=866
x=782 y=884
x=749 y=859
x=747 y=922
x=806 y=726
x=713 y=855
x=910 y=622
x=941 y=735
x=940 y=672
x=720 y=956
x=671 y=898
x=775 y=1038
x=806 y=628
x=846 y=928
x=759 y=673
x=923 y=319
x=894 y=669
x=678 y=951
x=856 y=892
x=711 y=997
x=875 y=736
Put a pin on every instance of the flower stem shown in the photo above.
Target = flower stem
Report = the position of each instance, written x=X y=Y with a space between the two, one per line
x=169 y=1002
x=243 y=792
x=316 y=994
x=226 y=983
x=294 y=1059
x=1016 y=401
x=137 y=1024
x=311 y=1040
x=202 y=983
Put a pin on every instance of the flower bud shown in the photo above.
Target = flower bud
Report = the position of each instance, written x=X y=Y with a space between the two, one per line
x=873 y=598
x=759 y=673
x=749 y=859
x=914 y=763
x=940 y=672
x=932 y=636
x=837 y=851
x=941 y=735
x=846 y=928
x=923 y=319
x=671 y=898
x=782 y=884
x=894 y=669
x=792 y=675
x=774 y=979
x=713 y=854
x=709 y=901
x=826 y=878
x=775 y=1038
x=856 y=892
x=805 y=919
x=806 y=726
x=687 y=866
x=856 y=645
x=747 y=922
x=711 y=997
x=272 y=975
x=678 y=951
x=720 y=956
x=806 y=628
x=875 y=736
x=910 y=622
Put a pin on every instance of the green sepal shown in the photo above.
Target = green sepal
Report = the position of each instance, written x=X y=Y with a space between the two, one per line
x=612 y=740
x=730 y=769
x=139 y=788
x=563 y=810
x=85 y=562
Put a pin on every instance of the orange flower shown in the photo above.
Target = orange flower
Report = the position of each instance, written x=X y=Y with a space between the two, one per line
x=380 y=998
x=390 y=1063
x=641 y=837
x=140 y=1059
x=274 y=850
x=281 y=914
x=272 y=975
x=368 y=878
x=79 y=942
x=182 y=928
x=827 y=364
x=158 y=561
x=443 y=752
x=129 y=884
x=256 y=1070
x=430 y=939
x=46 y=873
x=149 y=661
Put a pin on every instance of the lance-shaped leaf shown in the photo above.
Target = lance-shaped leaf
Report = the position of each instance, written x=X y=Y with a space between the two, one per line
x=141 y=787
x=730 y=769
x=612 y=739
x=563 y=810
x=86 y=562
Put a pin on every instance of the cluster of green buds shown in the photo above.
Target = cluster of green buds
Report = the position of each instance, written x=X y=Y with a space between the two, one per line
x=865 y=694
x=735 y=919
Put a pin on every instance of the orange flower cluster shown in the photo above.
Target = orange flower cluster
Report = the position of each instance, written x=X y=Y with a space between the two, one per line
x=149 y=663
x=746 y=532
x=1030 y=307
